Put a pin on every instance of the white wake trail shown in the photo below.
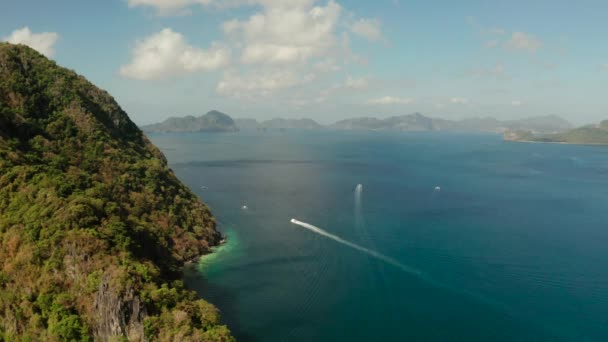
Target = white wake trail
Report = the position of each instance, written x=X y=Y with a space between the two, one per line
x=367 y=251
x=358 y=215
x=489 y=301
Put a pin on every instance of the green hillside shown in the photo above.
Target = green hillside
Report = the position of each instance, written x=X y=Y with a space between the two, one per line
x=94 y=226
x=587 y=135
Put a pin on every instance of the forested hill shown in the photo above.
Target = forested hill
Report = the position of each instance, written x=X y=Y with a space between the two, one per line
x=94 y=227
x=213 y=121
x=586 y=135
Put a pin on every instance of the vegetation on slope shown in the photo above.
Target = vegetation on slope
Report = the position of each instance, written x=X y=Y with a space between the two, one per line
x=213 y=121
x=592 y=135
x=94 y=226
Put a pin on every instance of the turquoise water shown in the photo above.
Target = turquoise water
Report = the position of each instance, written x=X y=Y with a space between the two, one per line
x=513 y=246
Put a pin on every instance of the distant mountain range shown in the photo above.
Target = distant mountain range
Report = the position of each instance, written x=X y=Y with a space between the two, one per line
x=213 y=121
x=219 y=122
x=591 y=134
x=419 y=122
x=278 y=123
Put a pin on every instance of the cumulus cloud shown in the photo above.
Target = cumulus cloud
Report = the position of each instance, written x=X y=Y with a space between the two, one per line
x=355 y=83
x=168 y=7
x=327 y=65
x=390 y=100
x=523 y=41
x=287 y=44
x=286 y=32
x=499 y=37
x=167 y=53
x=180 y=7
x=42 y=42
x=279 y=45
x=459 y=100
x=369 y=29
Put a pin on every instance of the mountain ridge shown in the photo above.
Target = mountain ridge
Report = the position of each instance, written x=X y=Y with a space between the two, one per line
x=212 y=121
x=419 y=122
x=409 y=122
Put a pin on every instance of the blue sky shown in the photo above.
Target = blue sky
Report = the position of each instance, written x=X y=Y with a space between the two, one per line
x=329 y=60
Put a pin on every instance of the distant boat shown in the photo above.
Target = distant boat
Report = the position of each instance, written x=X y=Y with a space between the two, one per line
x=437 y=188
x=244 y=207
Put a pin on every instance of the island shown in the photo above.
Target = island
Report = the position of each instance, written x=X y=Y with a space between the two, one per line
x=586 y=135
x=412 y=122
x=94 y=226
x=419 y=122
x=213 y=121
x=277 y=123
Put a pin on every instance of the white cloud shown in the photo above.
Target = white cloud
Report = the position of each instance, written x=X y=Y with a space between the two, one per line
x=286 y=32
x=279 y=45
x=42 y=42
x=390 y=100
x=516 y=103
x=369 y=29
x=260 y=82
x=180 y=7
x=459 y=100
x=356 y=83
x=287 y=44
x=327 y=65
x=523 y=41
x=498 y=36
x=168 y=7
x=167 y=53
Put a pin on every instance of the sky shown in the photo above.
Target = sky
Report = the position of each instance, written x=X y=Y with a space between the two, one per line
x=329 y=59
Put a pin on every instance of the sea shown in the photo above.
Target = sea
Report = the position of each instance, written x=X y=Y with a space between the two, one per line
x=400 y=236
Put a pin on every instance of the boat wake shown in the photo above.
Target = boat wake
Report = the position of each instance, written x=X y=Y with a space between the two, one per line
x=367 y=251
x=407 y=269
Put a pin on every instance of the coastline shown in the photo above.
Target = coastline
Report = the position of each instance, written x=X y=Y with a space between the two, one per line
x=227 y=244
x=554 y=142
x=212 y=249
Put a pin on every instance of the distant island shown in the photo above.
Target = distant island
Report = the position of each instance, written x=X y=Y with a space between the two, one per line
x=213 y=121
x=591 y=135
x=94 y=225
x=419 y=122
x=278 y=123
x=410 y=122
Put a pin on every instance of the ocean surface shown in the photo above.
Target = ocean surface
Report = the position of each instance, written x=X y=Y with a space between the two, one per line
x=512 y=245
